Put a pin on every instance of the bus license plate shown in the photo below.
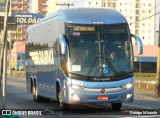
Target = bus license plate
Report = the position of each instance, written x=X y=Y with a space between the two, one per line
x=102 y=98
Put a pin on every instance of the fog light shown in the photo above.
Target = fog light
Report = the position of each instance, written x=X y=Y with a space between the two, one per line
x=75 y=97
x=128 y=96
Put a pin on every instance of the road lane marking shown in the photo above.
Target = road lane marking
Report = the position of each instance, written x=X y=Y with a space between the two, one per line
x=145 y=116
x=137 y=106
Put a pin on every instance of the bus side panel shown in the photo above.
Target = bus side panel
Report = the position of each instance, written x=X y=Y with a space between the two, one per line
x=37 y=65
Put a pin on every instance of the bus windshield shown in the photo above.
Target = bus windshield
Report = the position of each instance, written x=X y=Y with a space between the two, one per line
x=99 y=50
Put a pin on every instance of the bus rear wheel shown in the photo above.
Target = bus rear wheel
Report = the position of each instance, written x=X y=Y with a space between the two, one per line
x=36 y=97
x=116 y=106
x=64 y=106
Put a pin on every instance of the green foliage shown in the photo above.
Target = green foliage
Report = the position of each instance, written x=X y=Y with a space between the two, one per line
x=145 y=76
x=34 y=46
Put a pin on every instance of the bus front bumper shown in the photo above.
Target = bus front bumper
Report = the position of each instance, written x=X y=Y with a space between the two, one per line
x=80 y=97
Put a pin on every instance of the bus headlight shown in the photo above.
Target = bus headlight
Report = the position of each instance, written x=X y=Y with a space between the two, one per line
x=127 y=86
x=76 y=87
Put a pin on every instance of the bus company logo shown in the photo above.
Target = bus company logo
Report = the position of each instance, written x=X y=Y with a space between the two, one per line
x=102 y=90
x=6 y=112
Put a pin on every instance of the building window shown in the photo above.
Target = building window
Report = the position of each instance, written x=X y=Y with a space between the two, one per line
x=137 y=18
x=19 y=6
x=109 y=4
x=137 y=5
x=137 y=31
x=149 y=11
x=89 y=3
x=96 y=3
x=114 y=5
x=137 y=11
x=104 y=4
x=143 y=11
x=137 y=25
x=143 y=24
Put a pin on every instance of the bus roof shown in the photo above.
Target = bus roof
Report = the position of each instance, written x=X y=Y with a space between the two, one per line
x=87 y=16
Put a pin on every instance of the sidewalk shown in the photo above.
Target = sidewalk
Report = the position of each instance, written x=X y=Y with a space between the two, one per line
x=146 y=95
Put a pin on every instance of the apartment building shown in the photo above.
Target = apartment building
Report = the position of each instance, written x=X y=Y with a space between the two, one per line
x=37 y=6
x=139 y=13
x=141 y=17
x=19 y=6
x=52 y=6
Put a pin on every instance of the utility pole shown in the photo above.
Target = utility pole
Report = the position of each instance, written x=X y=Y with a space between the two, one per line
x=64 y=4
x=157 y=89
x=4 y=55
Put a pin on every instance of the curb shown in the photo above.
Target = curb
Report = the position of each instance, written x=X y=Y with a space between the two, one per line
x=145 y=97
x=22 y=78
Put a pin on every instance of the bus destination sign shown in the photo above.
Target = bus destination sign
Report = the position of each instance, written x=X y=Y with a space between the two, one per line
x=81 y=28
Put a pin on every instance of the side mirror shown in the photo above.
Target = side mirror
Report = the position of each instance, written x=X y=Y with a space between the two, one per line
x=63 y=44
x=139 y=43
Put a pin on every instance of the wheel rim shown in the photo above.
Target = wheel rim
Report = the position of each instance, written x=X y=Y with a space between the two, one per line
x=35 y=92
x=60 y=99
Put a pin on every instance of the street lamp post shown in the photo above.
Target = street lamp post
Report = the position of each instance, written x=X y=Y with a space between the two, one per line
x=157 y=88
x=4 y=55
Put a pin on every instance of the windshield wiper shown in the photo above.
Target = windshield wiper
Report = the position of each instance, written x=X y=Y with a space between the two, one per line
x=91 y=68
x=107 y=60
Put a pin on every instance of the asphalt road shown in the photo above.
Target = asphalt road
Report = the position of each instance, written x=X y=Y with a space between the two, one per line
x=17 y=98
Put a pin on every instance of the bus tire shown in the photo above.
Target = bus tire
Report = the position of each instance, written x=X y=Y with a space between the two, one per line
x=64 y=106
x=36 y=97
x=116 y=106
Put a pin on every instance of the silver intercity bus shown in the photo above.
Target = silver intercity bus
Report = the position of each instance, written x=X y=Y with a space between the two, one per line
x=81 y=55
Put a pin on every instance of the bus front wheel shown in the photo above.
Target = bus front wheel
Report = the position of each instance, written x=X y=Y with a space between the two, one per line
x=116 y=106
x=64 y=106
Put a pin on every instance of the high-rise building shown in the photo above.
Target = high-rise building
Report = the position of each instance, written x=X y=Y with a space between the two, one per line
x=33 y=6
x=52 y=7
x=141 y=17
x=37 y=6
x=139 y=13
x=19 y=6
x=42 y=6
